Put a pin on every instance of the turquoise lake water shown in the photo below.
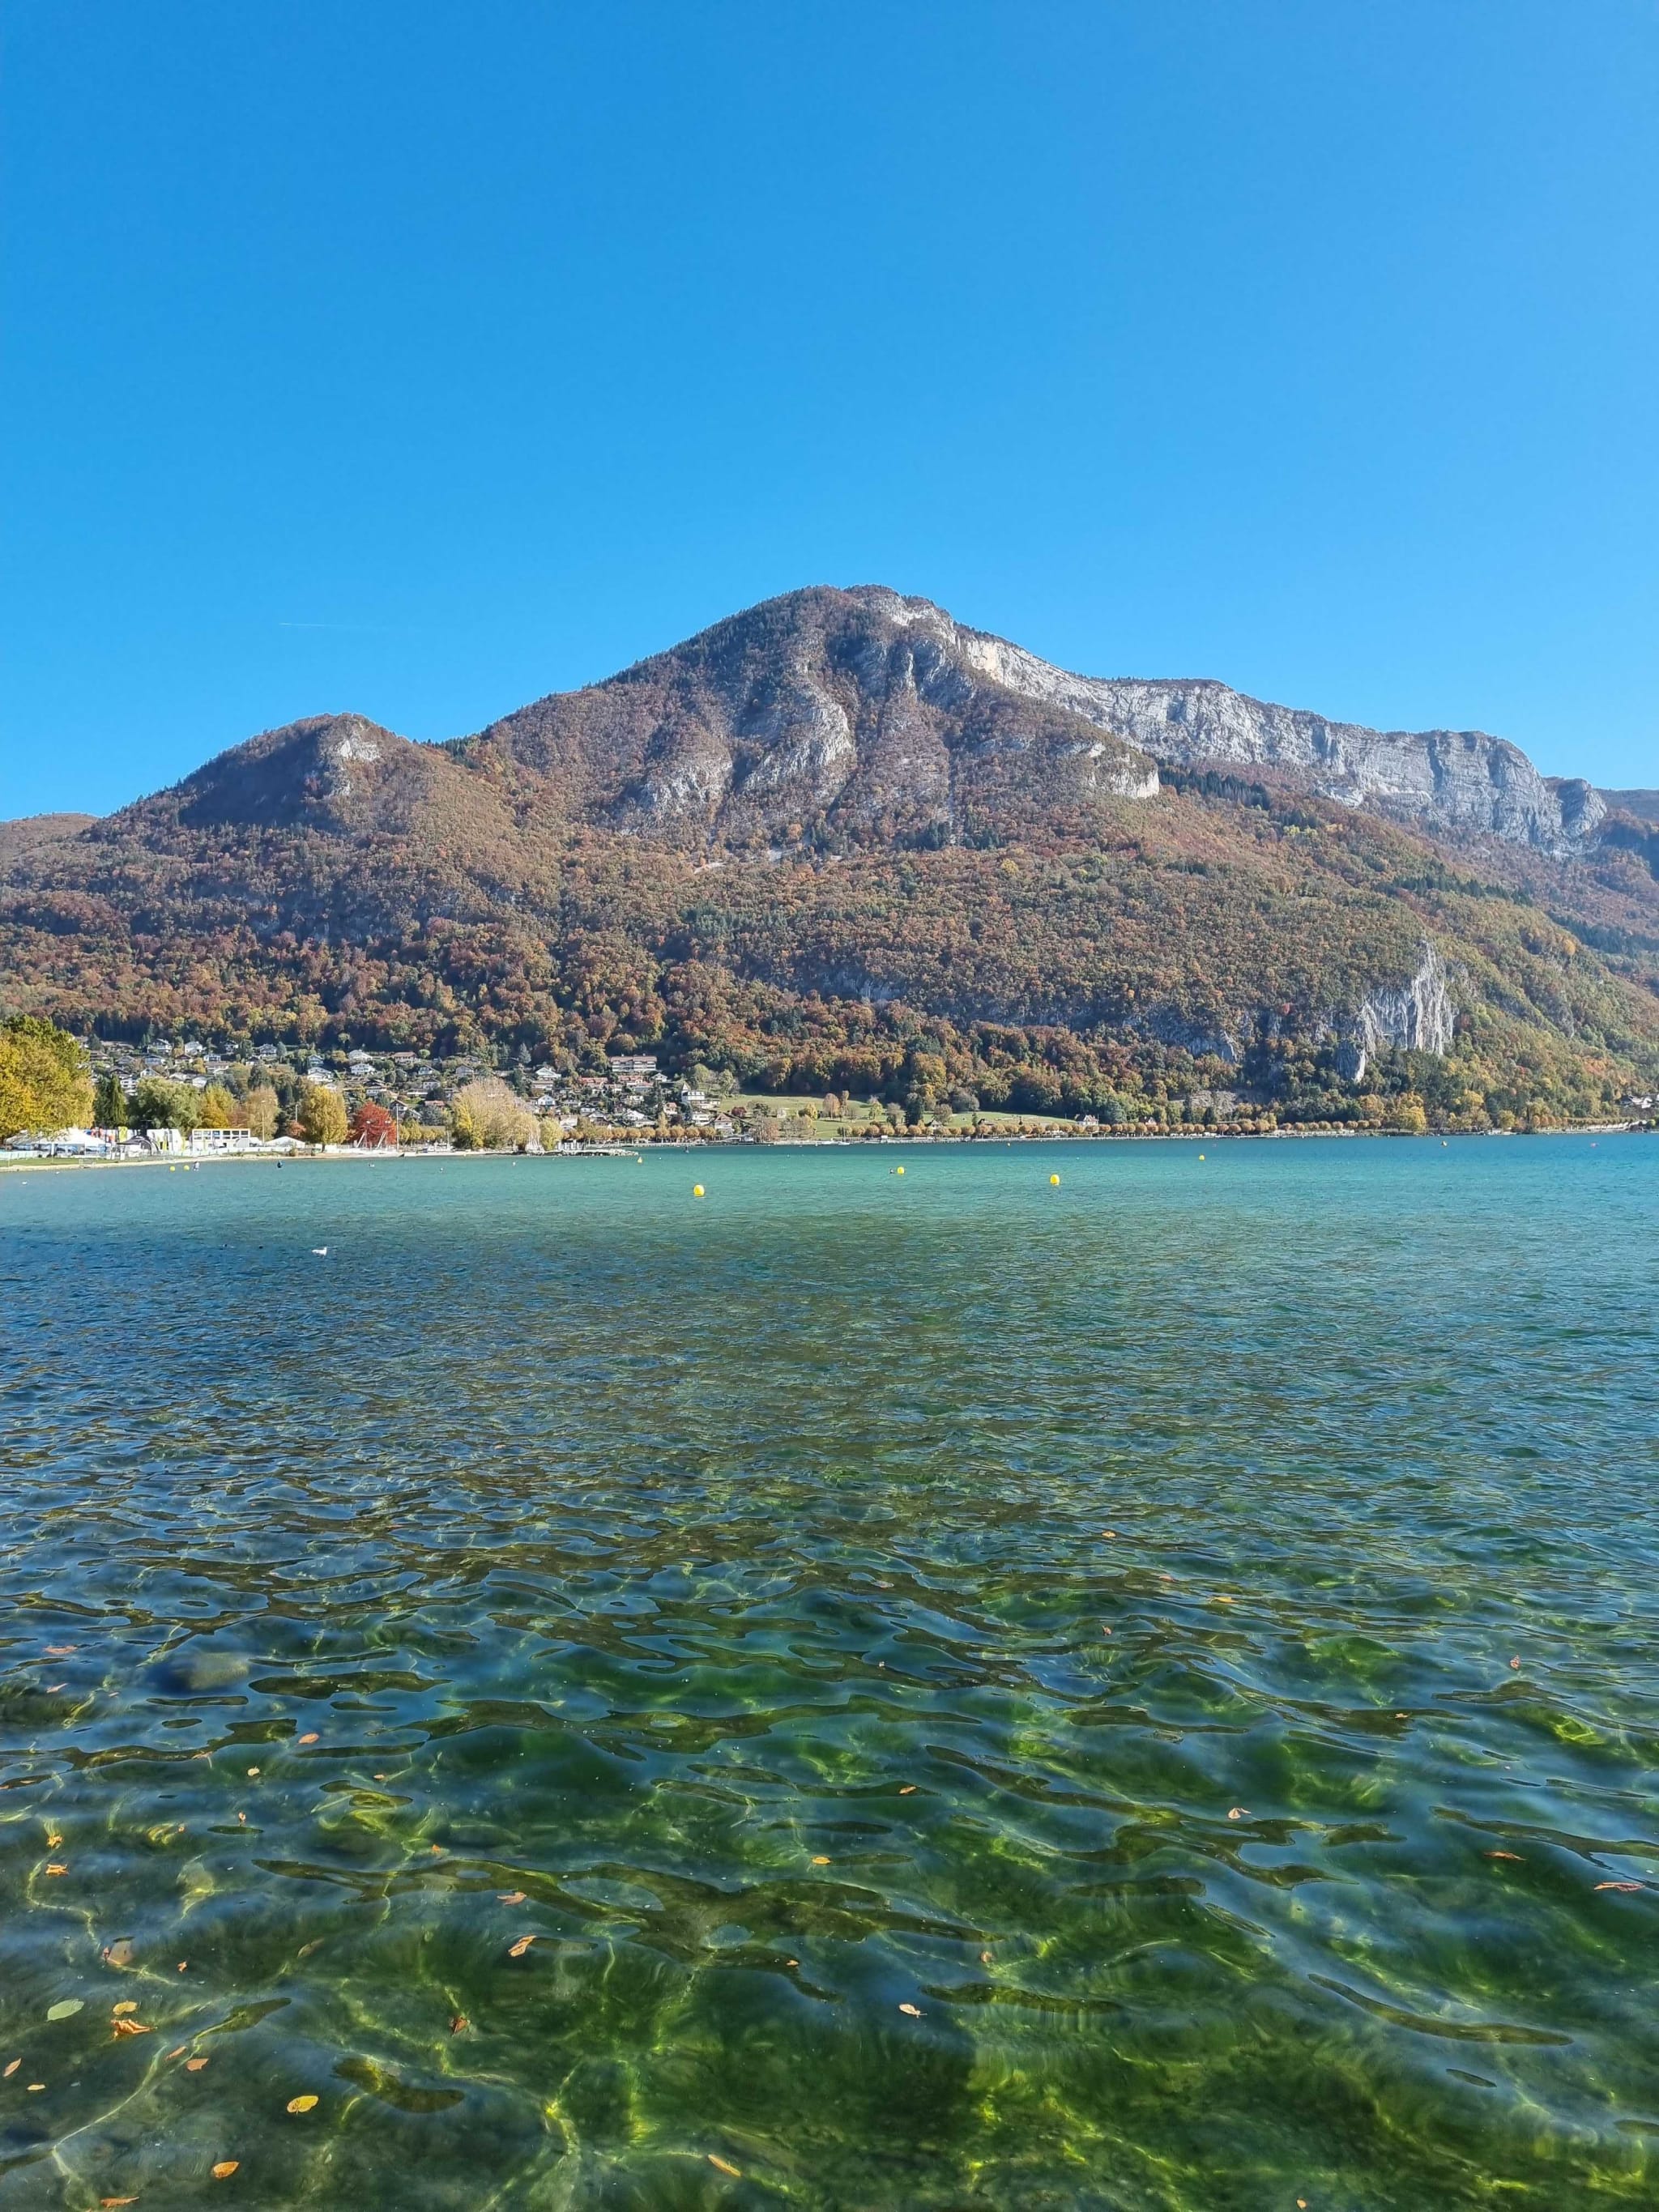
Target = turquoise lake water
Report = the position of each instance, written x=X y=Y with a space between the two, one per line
x=1129 y=1695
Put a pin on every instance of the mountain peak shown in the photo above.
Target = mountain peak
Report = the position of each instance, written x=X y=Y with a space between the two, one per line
x=848 y=714
x=340 y=772
x=783 y=712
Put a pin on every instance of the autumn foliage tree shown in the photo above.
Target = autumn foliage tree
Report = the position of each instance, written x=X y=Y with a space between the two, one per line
x=259 y=1110
x=322 y=1114
x=372 y=1126
x=488 y=1116
x=218 y=1108
x=44 y=1083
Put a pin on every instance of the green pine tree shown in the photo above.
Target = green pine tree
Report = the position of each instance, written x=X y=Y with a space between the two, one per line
x=109 y=1103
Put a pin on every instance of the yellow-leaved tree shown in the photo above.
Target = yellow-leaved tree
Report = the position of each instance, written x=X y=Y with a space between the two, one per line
x=322 y=1114
x=488 y=1116
x=218 y=1109
x=44 y=1083
x=259 y=1110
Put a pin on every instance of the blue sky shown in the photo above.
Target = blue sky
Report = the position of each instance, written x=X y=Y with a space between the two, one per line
x=423 y=359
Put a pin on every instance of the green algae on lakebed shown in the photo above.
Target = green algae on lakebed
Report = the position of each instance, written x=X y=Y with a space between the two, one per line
x=979 y=1693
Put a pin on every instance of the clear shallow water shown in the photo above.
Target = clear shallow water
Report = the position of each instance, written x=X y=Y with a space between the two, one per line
x=733 y=1579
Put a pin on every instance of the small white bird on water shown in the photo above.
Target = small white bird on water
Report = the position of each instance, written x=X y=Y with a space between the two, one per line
x=320 y=1251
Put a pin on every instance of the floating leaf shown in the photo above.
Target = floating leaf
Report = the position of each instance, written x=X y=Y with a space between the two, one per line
x=913 y=2011
x=56 y=1868
x=117 y=2200
x=509 y=1896
x=252 y=1771
x=118 y=1953
x=10 y=2069
x=59 y=1650
x=1239 y=1812
x=459 y=2023
x=64 y=2007
x=194 y=2065
x=52 y=1842
x=302 y=2104
x=311 y=1738
x=225 y=2168
x=1621 y=1885
x=820 y=1861
x=725 y=2167
x=177 y=2052
x=517 y=1950
x=1516 y=1855
x=127 y=2004
x=132 y=2028
x=909 y=1789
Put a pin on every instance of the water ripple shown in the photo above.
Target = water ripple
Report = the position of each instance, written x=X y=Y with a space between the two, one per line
x=1140 y=1696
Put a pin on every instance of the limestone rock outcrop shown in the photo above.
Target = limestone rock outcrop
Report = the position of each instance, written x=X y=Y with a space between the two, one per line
x=1450 y=780
x=1416 y=1015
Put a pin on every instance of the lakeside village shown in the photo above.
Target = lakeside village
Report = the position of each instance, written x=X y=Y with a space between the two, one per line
x=180 y=1097
x=96 y=1099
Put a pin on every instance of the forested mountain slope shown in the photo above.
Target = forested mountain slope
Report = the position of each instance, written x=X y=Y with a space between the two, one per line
x=839 y=837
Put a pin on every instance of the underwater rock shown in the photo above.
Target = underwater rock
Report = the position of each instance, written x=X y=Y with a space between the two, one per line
x=200 y=1666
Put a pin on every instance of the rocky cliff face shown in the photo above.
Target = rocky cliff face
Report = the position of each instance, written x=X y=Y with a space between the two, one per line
x=1457 y=781
x=867 y=707
x=1417 y=1015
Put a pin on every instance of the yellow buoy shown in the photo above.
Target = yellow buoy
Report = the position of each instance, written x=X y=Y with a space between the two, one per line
x=1053 y=1178
x=1201 y=1156
x=696 y=1190
x=898 y=1171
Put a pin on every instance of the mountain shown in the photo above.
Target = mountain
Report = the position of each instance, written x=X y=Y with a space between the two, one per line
x=840 y=832
x=875 y=715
